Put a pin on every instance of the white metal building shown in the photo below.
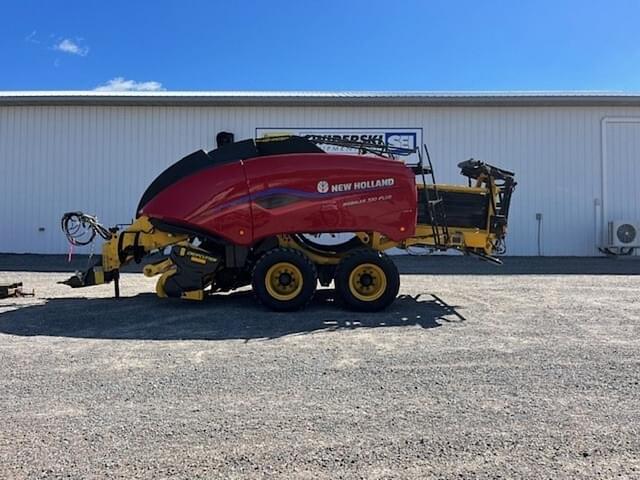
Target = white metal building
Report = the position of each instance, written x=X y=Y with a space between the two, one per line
x=576 y=155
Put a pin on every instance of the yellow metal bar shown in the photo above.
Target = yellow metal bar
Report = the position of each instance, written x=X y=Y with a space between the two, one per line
x=98 y=275
x=141 y=234
x=197 y=295
x=457 y=188
x=157 y=268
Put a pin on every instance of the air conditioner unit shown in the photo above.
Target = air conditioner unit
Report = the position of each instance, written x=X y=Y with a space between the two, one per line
x=623 y=233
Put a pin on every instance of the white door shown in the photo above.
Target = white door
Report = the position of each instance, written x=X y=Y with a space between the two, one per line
x=621 y=170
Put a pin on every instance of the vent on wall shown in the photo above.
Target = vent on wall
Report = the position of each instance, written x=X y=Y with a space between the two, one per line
x=623 y=233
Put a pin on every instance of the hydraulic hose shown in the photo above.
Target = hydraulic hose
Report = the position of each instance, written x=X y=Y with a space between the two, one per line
x=81 y=228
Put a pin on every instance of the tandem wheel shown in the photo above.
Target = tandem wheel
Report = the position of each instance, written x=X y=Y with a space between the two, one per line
x=284 y=279
x=367 y=280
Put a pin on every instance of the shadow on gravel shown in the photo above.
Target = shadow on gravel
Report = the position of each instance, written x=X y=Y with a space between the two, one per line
x=222 y=317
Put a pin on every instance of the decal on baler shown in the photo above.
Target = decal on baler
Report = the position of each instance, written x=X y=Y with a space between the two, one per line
x=360 y=201
x=325 y=187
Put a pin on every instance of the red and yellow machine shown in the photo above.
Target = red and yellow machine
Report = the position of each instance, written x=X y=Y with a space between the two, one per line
x=248 y=213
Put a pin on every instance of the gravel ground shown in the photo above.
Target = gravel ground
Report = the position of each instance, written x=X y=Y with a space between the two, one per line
x=525 y=374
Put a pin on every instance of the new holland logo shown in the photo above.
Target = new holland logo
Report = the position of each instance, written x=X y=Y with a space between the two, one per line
x=324 y=187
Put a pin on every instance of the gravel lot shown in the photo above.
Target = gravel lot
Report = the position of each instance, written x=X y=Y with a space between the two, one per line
x=524 y=372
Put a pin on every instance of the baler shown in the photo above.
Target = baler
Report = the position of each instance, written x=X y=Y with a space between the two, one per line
x=249 y=213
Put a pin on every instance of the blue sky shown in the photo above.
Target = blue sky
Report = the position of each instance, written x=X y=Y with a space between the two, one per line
x=321 y=45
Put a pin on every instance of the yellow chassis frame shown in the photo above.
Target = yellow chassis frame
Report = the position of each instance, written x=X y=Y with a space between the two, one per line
x=142 y=238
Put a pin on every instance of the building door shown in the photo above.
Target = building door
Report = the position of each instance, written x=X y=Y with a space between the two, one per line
x=621 y=171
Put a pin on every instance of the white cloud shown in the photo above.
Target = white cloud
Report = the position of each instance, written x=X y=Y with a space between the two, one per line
x=119 y=84
x=31 y=38
x=69 y=46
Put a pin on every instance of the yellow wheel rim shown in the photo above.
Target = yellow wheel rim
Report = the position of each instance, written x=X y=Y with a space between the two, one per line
x=284 y=281
x=367 y=282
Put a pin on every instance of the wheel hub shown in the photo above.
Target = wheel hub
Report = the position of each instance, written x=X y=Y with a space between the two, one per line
x=284 y=281
x=367 y=282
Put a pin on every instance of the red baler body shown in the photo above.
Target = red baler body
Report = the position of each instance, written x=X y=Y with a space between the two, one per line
x=245 y=201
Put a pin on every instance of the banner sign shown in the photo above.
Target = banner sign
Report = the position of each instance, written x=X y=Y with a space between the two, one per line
x=410 y=138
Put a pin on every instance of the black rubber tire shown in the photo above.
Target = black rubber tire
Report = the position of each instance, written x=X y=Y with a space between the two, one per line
x=352 y=261
x=289 y=255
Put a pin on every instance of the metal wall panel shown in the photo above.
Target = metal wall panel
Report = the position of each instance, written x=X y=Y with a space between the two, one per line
x=622 y=184
x=100 y=158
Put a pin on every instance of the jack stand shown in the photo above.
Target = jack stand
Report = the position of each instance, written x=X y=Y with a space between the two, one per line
x=116 y=284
